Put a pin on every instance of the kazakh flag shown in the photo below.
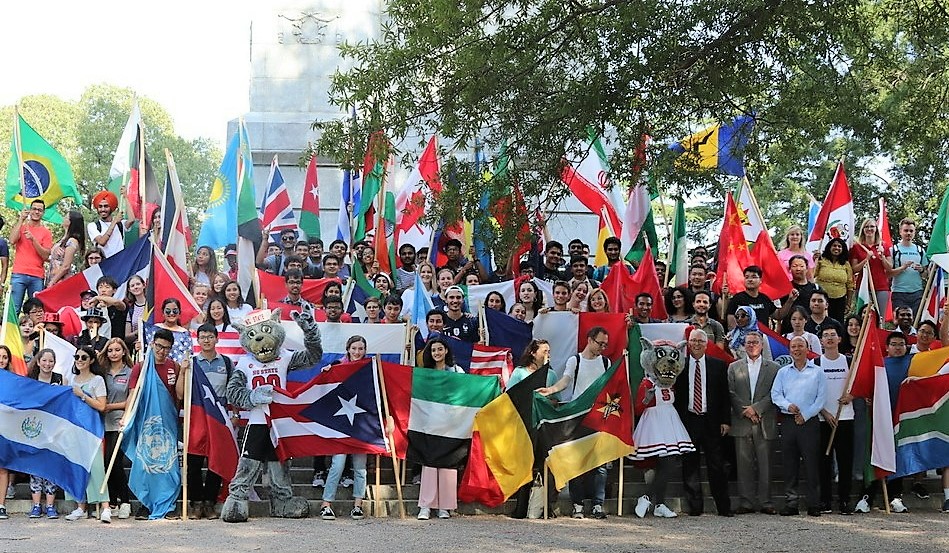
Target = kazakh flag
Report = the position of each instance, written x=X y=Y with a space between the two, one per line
x=220 y=219
x=41 y=173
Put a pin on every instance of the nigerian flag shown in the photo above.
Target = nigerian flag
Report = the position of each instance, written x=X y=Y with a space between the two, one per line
x=679 y=249
x=442 y=413
x=37 y=172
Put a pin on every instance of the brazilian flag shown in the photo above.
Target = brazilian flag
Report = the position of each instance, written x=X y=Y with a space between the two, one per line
x=37 y=172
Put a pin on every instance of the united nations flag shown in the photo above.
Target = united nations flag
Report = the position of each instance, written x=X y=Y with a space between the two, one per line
x=151 y=442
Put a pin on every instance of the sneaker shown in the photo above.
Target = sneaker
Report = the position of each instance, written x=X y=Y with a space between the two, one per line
x=662 y=511
x=125 y=511
x=577 y=511
x=920 y=490
x=444 y=513
x=598 y=512
x=326 y=513
x=51 y=512
x=417 y=480
x=642 y=506
x=3 y=513
x=106 y=515
x=424 y=513
x=11 y=491
x=346 y=482
x=142 y=513
x=845 y=509
x=897 y=506
x=825 y=509
x=357 y=514
x=863 y=506
x=319 y=479
x=78 y=514
x=35 y=512
x=945 y=506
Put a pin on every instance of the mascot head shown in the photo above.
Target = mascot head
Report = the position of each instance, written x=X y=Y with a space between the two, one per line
x=662 y=361
x=262 y=335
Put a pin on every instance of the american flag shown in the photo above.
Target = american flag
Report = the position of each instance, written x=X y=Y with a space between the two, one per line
x=492 y=360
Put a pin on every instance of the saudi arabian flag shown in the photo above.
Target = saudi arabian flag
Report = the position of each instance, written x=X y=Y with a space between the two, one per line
x=938 y=249
x=442 y=412
x=37 y=172
x=679 y=249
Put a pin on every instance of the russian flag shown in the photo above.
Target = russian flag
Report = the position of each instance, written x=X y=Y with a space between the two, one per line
x=47 y=431
x=211 y=433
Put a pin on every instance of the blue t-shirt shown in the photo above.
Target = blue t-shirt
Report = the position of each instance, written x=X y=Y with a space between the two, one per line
x=4 y=248
x=909 y=280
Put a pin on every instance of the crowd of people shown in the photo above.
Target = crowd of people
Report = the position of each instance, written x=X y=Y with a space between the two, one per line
x=731 y=414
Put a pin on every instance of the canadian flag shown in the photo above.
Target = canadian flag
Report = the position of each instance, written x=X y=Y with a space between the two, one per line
x=836 y=218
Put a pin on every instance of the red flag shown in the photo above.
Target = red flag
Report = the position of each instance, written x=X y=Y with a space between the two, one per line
x=733 y=254
x=883 y=223
x=410 y=203
x=615 y=325
x=274 y=287
x=835 y=218
x=492 y=361
x=310 y=208
x=774 y=281
x=868 y=358
x=398 y=388
x=211 y=433
x=167 y=281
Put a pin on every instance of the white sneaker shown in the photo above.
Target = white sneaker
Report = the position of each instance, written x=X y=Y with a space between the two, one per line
x=662 y=511
x=11 y=491
x=577 y=511
x=863 y=506
x=125 y=511
x=443 y=513
x=106 y=515
x=78 y=514
x=424 y=513
x=897 y=506
x=346 y=482
x=642 y=506
x=318 y=480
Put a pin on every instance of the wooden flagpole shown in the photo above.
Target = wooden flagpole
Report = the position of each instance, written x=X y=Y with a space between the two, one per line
x=186 y=439
x=389 y=427
x=619 y=497
x=142 y=176
x=131 y=405
x=17 y=139
x=927 y=296
x=546 y=471
x=859 y=348
x=377 y=504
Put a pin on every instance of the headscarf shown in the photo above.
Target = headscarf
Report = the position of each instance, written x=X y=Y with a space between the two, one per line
x=108 y=197
x=739 y=332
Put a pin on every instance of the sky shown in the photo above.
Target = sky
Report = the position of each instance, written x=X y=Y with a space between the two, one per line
x=192 y=57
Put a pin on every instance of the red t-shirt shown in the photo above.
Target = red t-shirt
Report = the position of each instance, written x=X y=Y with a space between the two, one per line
x=167 y=371
x=881 y=282
x=27 y=261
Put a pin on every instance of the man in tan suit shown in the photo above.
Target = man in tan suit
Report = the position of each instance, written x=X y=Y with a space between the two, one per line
x=753 y=424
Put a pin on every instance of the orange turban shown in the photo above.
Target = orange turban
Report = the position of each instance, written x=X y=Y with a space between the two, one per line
x=106 y=196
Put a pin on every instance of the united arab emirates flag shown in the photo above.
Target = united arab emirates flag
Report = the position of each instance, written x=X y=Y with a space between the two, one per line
x=593 y=429
x=442 y=414
x=502 y=445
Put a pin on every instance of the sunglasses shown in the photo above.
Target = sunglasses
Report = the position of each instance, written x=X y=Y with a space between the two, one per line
x=81 y=357
x=172 y=311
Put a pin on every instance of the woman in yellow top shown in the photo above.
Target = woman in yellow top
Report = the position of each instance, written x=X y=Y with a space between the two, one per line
x=834 y=274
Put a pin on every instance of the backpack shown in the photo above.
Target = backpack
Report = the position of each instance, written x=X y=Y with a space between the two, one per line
x=576 y=371
x=897 y=254
x=118 y=225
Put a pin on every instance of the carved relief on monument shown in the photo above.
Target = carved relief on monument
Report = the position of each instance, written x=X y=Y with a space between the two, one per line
x=308 y=27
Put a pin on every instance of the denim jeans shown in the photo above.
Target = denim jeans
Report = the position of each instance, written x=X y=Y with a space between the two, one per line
x=589 y=485
x=336 y=471
x=23 y=285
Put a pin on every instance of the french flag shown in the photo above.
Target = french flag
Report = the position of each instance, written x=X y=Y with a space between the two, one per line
x=211 y=434
x=339 y=411
x=47 y=431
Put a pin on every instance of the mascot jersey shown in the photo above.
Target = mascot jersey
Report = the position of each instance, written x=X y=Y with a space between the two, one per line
x=659 y=432
x=258 y=374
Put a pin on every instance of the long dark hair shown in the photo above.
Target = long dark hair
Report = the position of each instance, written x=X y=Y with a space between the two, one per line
x=503 y=308
x=686 y=298
x=33 y=369
x=844 y=254
x=427 y=360
x=528 y=356
x=94 y=366
x=77 y=230
x=9 y=355
x=226 y=319
x=538 y=296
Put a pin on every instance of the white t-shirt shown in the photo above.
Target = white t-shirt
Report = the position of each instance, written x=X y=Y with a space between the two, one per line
x=835 y=375
x=590 y=370
x=116 y=242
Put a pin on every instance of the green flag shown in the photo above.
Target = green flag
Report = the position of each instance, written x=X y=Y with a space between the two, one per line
x=679 y=250
x=938 y=249
x=41 y=174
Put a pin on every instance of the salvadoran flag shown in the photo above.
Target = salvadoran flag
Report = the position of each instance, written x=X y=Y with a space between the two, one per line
x=47 y=431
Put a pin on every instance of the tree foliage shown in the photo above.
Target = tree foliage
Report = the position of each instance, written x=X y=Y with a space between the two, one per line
x=87 y=133
x=858 y=80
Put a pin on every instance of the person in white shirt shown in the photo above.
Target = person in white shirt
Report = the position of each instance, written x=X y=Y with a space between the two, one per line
x=837 y=412
x=108 y=231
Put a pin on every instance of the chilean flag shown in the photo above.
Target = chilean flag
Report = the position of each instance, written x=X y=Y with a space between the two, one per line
x=339 y=411
x=212 y=434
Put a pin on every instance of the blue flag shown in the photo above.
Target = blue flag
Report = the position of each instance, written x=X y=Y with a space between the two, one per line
x=508 y=332
x=151 y=442
x=47 y=431
x=421 y=306
x=220 y=219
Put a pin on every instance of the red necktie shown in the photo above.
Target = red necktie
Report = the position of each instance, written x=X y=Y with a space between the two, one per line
x=697 y=389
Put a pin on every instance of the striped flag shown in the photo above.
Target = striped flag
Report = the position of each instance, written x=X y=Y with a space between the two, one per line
x=937 y=296
x=310 y=210
x=922 y=429
x=276 y=211
x=228 y=343
x=590 y=184
x=835 y=218
x=175 y=229
x=492 y=361
x=10 y=336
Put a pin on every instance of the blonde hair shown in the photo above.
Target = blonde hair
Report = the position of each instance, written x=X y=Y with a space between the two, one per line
x=876 y=232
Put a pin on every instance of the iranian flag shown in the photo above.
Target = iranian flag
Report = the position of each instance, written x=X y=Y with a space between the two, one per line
x=835 y=218
x=590 y=183
x=441 y=416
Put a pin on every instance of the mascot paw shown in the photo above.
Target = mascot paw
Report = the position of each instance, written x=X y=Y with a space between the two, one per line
x=262 y=394
x=305 y=319
x=295 y=507
x=235 y=511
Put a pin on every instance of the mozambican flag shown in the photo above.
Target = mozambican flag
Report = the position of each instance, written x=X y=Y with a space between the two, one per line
x=339 y=411
x=47 y=431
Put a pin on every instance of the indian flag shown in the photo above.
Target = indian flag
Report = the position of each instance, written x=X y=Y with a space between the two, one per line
x=442 y=413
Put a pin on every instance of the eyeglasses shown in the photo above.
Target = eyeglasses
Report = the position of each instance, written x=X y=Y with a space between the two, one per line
x=79 y=357
x=36 y=311
x=206 y=338
x=160 y=347
x=287 y=238
x=172 y=311
x=601 y=344
x=38 y=209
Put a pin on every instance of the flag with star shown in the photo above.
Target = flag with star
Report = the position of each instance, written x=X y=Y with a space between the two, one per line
x=310 y=209
x=338 y=411
x=211 y=433
x=589 y=431
x=733 y=252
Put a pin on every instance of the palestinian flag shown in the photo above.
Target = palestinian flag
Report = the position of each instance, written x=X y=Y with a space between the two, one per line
x=922 y=429
x=441 y=416
x=502 y=445
x=593 y=429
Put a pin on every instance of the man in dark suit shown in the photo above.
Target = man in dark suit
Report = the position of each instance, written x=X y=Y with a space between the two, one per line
x=701 y=398
x=754 y=425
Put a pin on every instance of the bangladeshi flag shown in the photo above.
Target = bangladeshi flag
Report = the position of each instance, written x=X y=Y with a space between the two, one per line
x=591 y=430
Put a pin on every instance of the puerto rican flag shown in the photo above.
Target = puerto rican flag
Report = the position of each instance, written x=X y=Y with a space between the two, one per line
x=211 y=434
x=339 y=411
